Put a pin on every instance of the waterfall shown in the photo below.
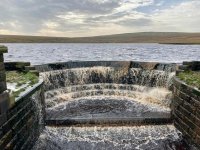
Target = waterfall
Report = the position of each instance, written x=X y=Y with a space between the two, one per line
x=70 y=89
x=112 y=97
x=79 y=76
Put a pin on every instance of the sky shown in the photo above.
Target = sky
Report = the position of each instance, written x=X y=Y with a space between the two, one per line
x=78 y=18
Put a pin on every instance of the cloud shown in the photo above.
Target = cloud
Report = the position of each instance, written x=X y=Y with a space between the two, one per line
x=183 y=17
x=96 y=17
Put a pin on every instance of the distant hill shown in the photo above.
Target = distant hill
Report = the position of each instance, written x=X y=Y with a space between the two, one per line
x=141 y=37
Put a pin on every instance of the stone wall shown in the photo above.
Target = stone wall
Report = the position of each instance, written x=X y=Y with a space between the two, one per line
x=4 y=97
x=21 y=124
x=191 y=65
x=24 y=121
x=20 y=66
x=186 y=106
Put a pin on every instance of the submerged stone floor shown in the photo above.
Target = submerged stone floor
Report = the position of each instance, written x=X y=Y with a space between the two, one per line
x=159 y=137
x=105 y=107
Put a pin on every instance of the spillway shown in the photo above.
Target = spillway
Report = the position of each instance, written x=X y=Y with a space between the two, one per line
x=108 y=105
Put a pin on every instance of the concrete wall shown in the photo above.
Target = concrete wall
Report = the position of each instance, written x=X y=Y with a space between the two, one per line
x=21 y=124
x=186 y=106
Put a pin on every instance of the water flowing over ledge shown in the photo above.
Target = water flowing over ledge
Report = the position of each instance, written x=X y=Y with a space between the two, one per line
x=94 y=105
x=163 y=137
x=81 y=92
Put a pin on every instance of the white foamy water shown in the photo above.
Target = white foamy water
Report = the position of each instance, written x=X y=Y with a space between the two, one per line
x=48 y=53
x=163 y=137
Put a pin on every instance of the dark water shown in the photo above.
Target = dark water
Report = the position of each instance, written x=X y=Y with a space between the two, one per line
x=47 y=53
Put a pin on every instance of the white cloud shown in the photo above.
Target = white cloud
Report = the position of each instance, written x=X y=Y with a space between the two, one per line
x=182 y=17
x=96 y=17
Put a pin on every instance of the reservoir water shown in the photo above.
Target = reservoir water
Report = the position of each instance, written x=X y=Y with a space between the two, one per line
x=48 y=53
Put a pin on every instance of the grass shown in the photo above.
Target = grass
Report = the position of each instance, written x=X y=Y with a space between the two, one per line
x=141 y=37
x=20 y=78
x=191 y=78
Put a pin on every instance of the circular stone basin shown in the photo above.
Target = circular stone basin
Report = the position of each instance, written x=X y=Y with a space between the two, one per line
x=96 y=94
x=104 y=109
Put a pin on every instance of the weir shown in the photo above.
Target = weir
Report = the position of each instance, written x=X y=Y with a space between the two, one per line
x=114 y=93
x=108 y=105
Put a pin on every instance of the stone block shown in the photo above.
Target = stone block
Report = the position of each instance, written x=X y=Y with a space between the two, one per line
x=198 y=113
x=197 y=140
x=2 y=76
x=178 y=113
x=197 y=120
x=197 y=130
x=196 y=93
x=184 y=67
x=181 y=126
x=185 y=97
x=2 y=66
x=192 y=134
x=1 y=58
x=4 y=106
x=3 y=86
x=178 y=100
x=16 y=65
x=187 y=63
x=189 y=123
x=3 y=119
x=193 y=118
x=189 y=107
x=28 y=68
x=12 y=144
x=4 y=96
x=184 y=111
x=195 y=65
x=3 y=49
x=5 y=140
x=35 y=72
x=195 y=103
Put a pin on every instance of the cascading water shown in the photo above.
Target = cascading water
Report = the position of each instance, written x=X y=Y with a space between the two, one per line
x=105 y=96
x=106 y=92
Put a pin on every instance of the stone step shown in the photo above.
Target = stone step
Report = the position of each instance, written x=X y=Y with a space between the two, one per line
x=153 y=120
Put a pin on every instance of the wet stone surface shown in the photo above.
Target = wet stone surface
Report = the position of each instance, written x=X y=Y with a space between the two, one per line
x=104 y=107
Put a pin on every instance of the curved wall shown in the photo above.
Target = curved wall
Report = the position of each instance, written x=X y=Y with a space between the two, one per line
x=186 y=110
x=138 y=89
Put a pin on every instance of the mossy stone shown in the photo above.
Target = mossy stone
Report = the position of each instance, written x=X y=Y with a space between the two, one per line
x=3 y=49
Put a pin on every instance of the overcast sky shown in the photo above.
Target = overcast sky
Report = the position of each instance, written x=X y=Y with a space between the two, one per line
x=72 y=18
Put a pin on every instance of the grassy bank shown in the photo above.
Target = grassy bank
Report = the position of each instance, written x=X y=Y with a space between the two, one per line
x=191 y=78
x=142 y=37
x=20 y=81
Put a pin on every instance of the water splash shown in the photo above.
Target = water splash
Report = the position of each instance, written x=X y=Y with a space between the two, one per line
x=91 y=75
x=164 y=137
x=105 y=92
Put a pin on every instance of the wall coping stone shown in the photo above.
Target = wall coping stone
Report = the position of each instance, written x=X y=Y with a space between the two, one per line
x=30 y=91
x=182 y=83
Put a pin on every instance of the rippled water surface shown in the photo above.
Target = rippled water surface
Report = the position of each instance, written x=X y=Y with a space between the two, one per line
x=47 y=53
